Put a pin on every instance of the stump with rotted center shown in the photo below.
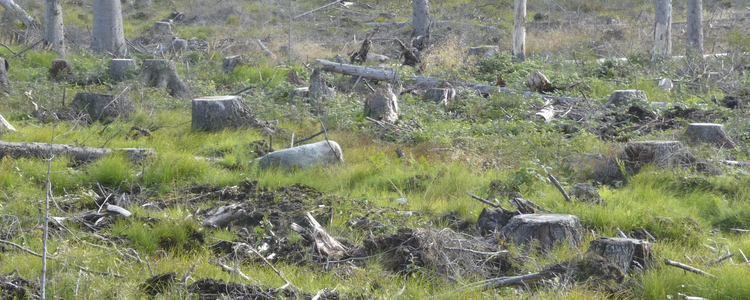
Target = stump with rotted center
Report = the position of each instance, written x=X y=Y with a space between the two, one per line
x=627 y=254
x=546 y=229
x=163 y=74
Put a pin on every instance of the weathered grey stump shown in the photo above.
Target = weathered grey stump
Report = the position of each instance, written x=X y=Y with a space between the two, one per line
x=383 y=106
x=493 y=220
x=303 y=157
x=142 y=3
x=627 y=254
x=626 y=97
x=484 y=51
x=377 y=58
x=666 y=84
x=547 y=230
x=298 y=94
x=319 y=90
x=443 y=96
x=220 y=112
x=61 y=70
x=122 y=68
x=163 y=74
x=709 y=133
x=161 y=28
x=230 y=62
x=660 y=153
x=100 y=106
x=179 y=44
x=4 y=66
x=585 y=192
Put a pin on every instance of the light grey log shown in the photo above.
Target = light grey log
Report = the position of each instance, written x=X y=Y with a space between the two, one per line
x=547 y=229
x=377 y=58
x=80 y=154
x=219 y=112
x=519 y=29
x=230 y=62
x=107 y=32
x=5 y=125
x=223 y=216
x=625 y=253
x=100 y=106
x=303 y=157
x=163 y=74
x=53 y=27
x=268 y=52
x=626 y=97
x=662 y=31
x=114 y=209
x=420 y=14
x=383 y=106
x=319 y=90
x=442 y=96
x=122 y=68
x=547 y=113
x=694 y=28
x=4 y=66
x=12 y=9
x=709 y=133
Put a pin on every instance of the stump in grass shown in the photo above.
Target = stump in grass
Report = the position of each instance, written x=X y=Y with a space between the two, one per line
x=230 y=62
x=627 y=254
x=122 y=69
x=484 y=51
x=626 y=97
x=4 y=66
x=319 y=89
x=493 y=220
x=219 y=112
x=443 y=96
x=303 y=157
x=100 y=106
x=163 y=74
x=61 y=70
x=383 y=106
x=709 y=133
x=545 y=229
x=660 y=153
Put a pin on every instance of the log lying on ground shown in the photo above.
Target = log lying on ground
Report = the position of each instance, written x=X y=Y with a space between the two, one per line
x=391 y=76
x=628 y=254
x=4 y=66
x=101 y=106
x=546 y=229
x=709 y=133
x=306 y=156
x=79 y=154
x=219 y=112
x=119 y=69
x=5 y=125
x=163 y=74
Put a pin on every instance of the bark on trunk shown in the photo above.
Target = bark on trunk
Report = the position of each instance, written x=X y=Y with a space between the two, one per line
x=79 y=154
x=13 y=10
x=662 y=31
x=695 y=28
x=101 y=106
x=4 y=66
x=519 y=29
x=383 y=106
x=627 y=254
x=163 y=74
x=420 y=17
x=545 y=229
x=220 y=112
x=53 y=28
x=108 y=35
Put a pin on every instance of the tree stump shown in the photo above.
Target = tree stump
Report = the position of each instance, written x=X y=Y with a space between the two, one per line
x=219 y=112
x=377 y=58
x=484 y=51
x=383 y=106
x=61 y=70
x=627 y=254
x=493 y=220
x=298 y=95
x=666 y=84
x=101 y=106
x=538 y=82
x=230 y=62
x=544 y=229
x=660 y=153
x=303 y=157
x=709 y=133
x=162 y=28
x=163 y=74
x=179 y=44
x=626 y=97
x=443 y=96
x=319 y=90
x=294 y=78
x=142 y=3
x=4 y=66
x=585 y=192
x=122 y=69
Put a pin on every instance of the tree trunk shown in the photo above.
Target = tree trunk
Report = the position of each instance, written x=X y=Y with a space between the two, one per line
x=695 y=28
x=420 y=14
x=12 y=9
x=54 y=35
x=545 y=229
x=625 y=253
x=384 y=105
x=79 y=154
x=101 y=106
x=319 y=90
x=4 y=66
x=163 y=74
x=108 y=35
x=519 y=29
x=662 y=31
x=220 y=112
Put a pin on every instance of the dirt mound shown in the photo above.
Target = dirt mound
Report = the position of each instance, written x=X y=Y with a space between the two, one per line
x=18 y=288
x=210 y=289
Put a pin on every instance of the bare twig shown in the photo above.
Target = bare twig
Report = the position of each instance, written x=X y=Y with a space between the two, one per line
x=232 y=270
x=281 y=275
x=21 y=248
x=100 y=272
x=559 y=187
x=725 y=257
x=687 y=268
x=308 y=138
x=6 y=47
x=480 y=199
x=743 y=256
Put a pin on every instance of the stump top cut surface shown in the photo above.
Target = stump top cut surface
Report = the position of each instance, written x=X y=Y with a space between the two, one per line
x=216 y=98
x=545 y=218
x=706 y=124
x=618 y=240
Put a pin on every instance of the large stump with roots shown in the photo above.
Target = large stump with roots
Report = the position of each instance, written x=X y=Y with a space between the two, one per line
x=100 y=106
x=627 y=254
x=122 y=69
x=709 y=133
x=220 y=112
x=383 y=106
x=546 y=229
x=626 y=97
x=163 y=74
x=303 y=157
x=4 y=66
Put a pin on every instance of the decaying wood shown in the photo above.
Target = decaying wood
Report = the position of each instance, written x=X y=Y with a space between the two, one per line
x=114 y=209
x=519 y=29
x=547 y=229
x=222 y=216
x=383 y=106
x=79 y=154
x=325 y=244
x=687 y=268
x=686 y=297
x=538 y=82
x=268 y=52
x=5 y=125
x=163 y=74
x=662 y=30
x=361 y=55
x=4 y=66
x=480 y=199
x=625 y=253
x=516 y=280
x=410 y=58
x=559 y=187
x=547 y=112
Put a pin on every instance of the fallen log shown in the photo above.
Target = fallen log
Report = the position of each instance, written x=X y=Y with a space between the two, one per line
x=386 y=75
x=687 y=268
x=79 y=154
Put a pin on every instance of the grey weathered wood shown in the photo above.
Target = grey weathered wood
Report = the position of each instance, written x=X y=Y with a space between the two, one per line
x=626 y=97
x=303 y=157
x=694 y=28
x=163 y=74
x=383 y=106
x=54 y=35
x=223 y=216
x=268 y=52
x=114 y=209
x=230 y=62
x=142 y=3
x=662 y=31
x=80 y=154
x=625 y=253
x=219 y=112
x=13 y=10
x=439 y=95
x=377 y=58
x=546 y=229
x=492 y=221
x=420 y=17
x=538 y=82
x=5 y=125
x=660 y=153
x=100 y=106
x=519 y=29
x=666 y=84
x=687 y=268
x=107 y=33
x=319 y=90
x=4 y=66
x=585 y=192
x=122 y=68
x=484 y=51
x=709 y=133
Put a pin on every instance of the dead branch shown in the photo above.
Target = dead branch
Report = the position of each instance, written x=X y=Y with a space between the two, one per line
x=5 y=124
x=268 y=263
x=687 y=268
x=559 y=187
x=480 y=199
x=268 y=52
x=100 y=272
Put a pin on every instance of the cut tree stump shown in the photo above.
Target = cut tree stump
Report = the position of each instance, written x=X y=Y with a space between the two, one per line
x=546 y=229
x=626 y=97
x=538 y=82
x=585 y=192
x=215 y=113
x=78 y=154
x=319 y=89
x=627 y=254
x=484 y=51
x=61 y=70
x=303 y=157
x=4 y=66
x=162 y=29
x=119 y=69
x=491 y=221
x=709 y=133
x=101 y=106
x=230 y=62
x=383 y=106
x=163 y=74
x=443 y=96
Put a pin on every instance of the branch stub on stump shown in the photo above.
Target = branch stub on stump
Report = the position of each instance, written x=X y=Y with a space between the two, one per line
x=547 y=229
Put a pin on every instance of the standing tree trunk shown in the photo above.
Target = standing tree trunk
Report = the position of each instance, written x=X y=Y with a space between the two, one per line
x=662 y=31
x=420 y=14
x=54 y=34
x=108 y=35
x=12 y=10
x=519 y=30
x=4 y=66
x=695 y=28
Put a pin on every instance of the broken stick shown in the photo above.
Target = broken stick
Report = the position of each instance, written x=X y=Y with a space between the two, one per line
x=687 y=268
